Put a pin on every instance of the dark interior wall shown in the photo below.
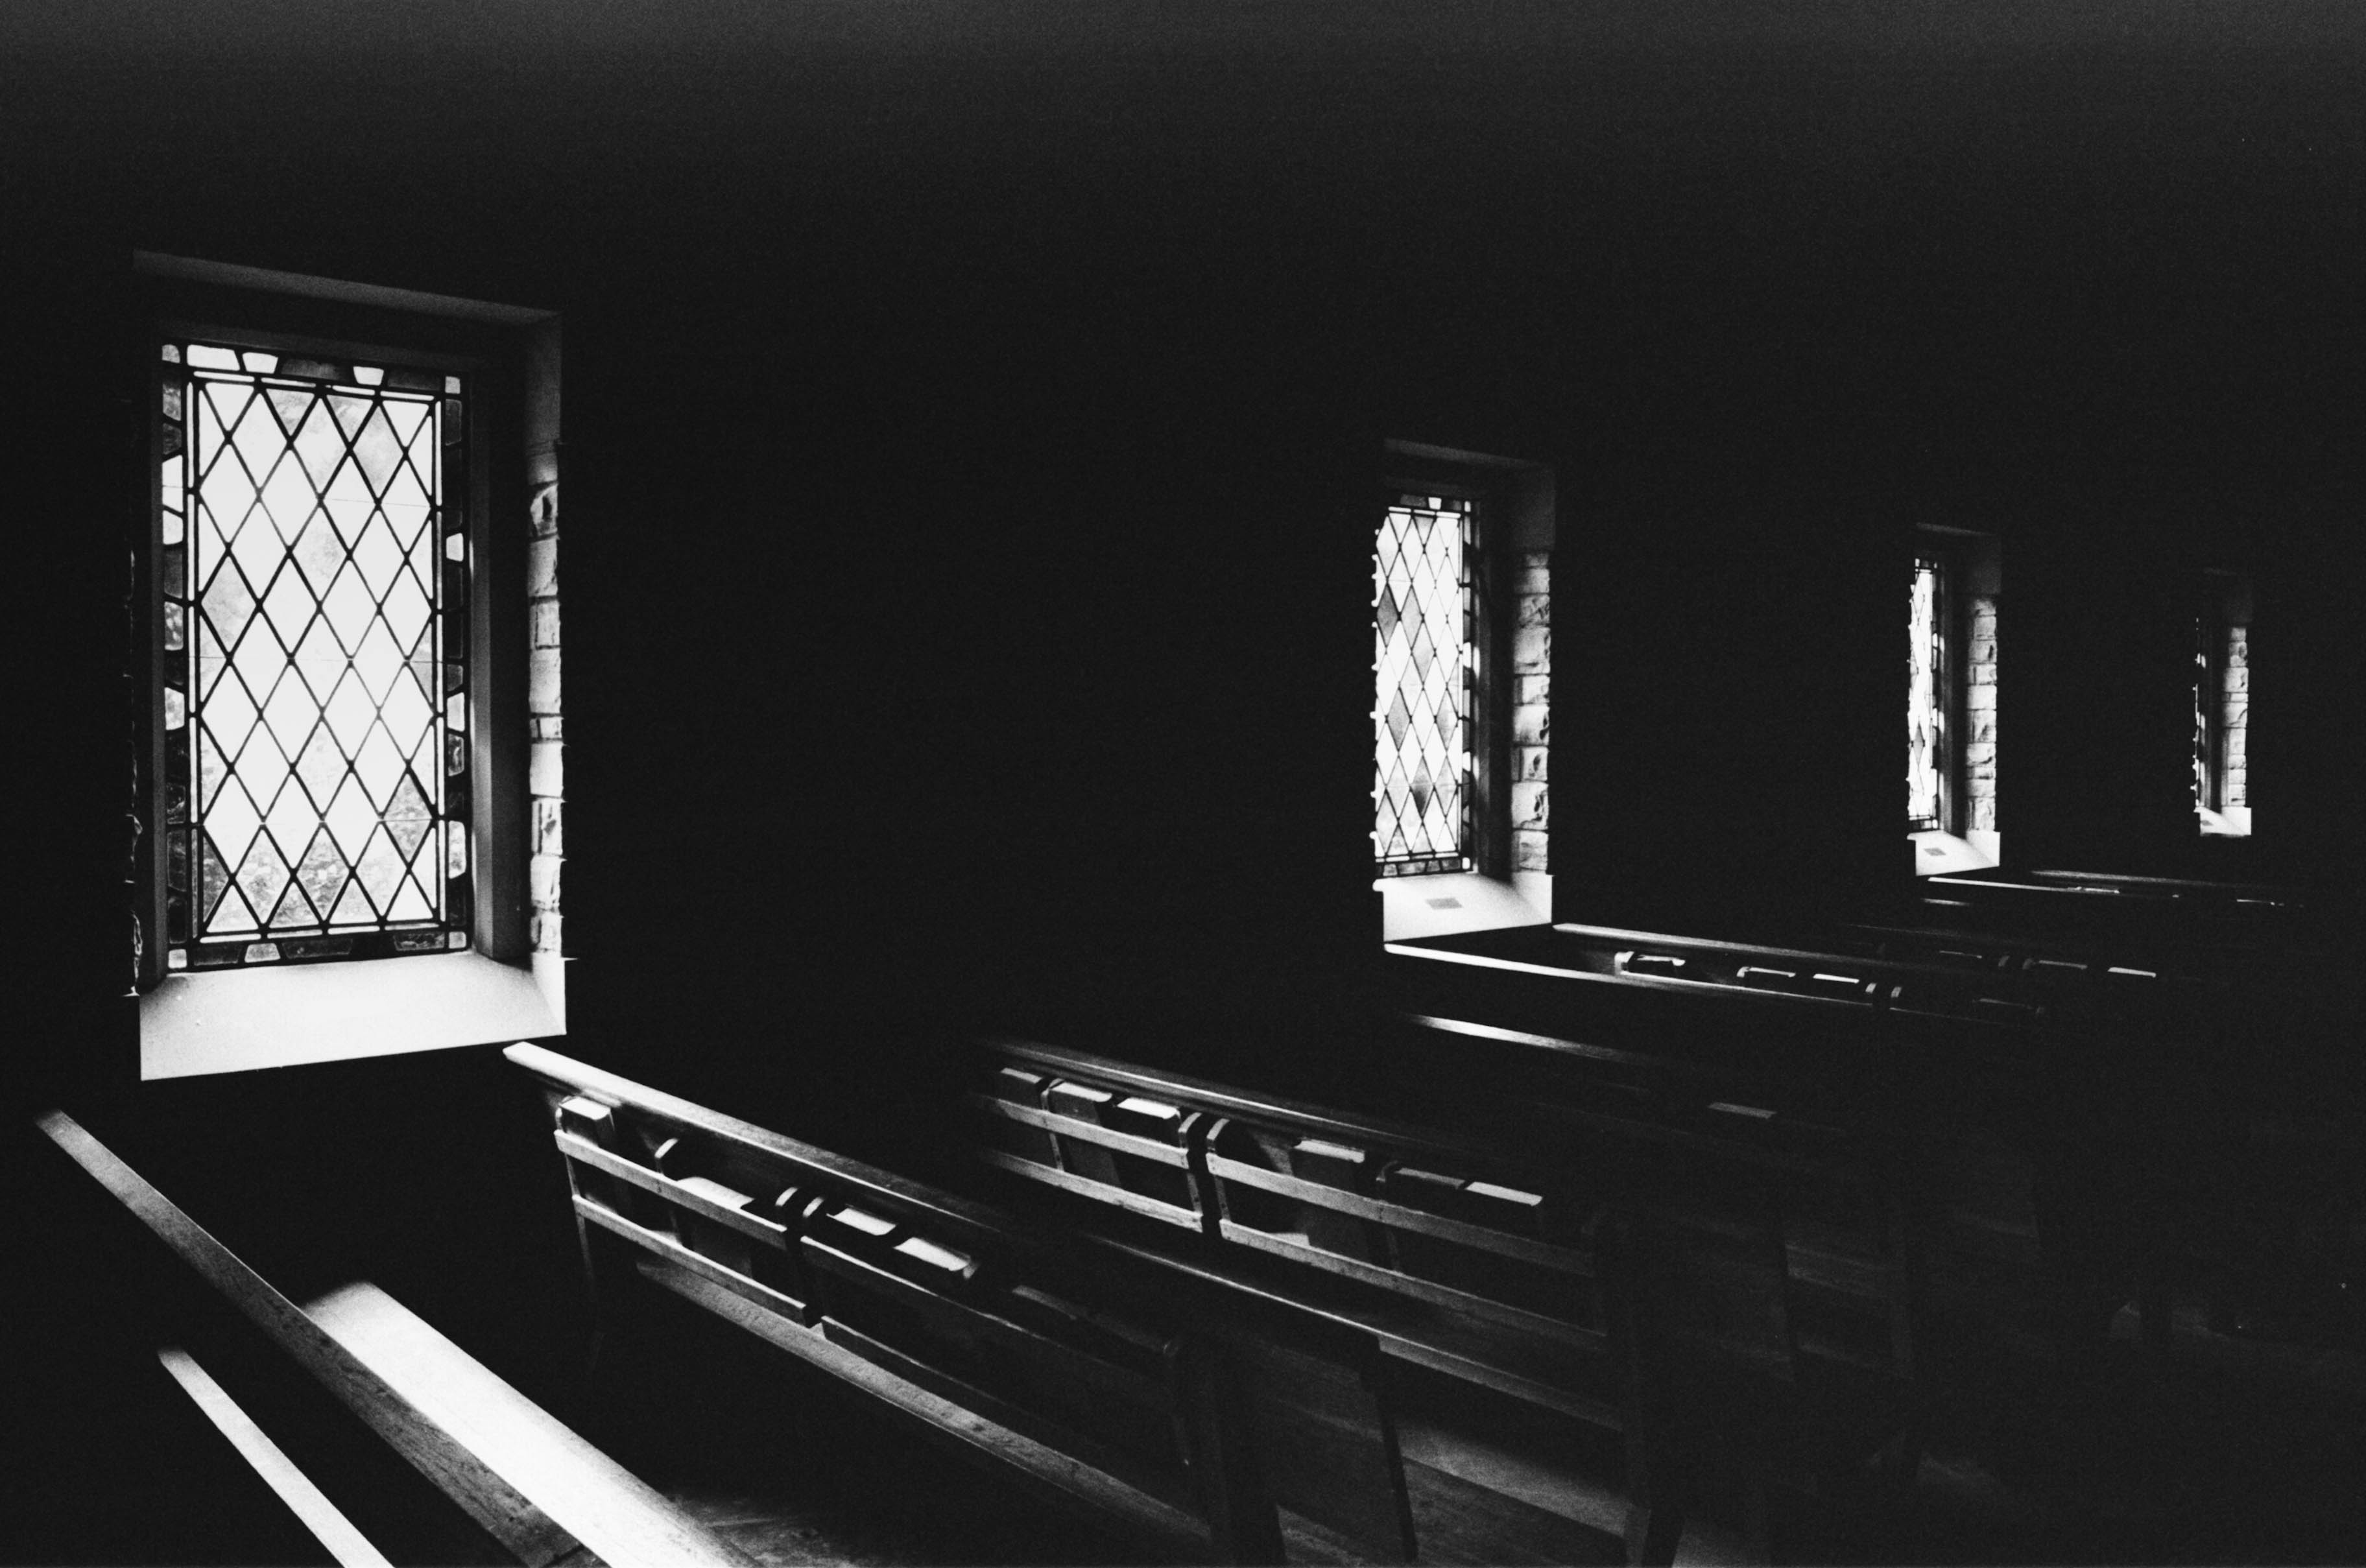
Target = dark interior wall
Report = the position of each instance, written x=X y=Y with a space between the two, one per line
x=968 y=411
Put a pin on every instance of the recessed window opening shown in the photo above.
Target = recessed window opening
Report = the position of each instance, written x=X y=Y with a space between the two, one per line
x=1928 y=733
x=1952 y=595
x=2222 y=705
x=1461 y=710
x=313 y=564
x=348 y=773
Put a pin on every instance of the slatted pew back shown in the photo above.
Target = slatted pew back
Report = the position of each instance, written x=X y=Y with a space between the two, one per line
x=1939 y=1079
x=1477 y=1260
x=1213 y=1408
x=2079 y=1093
x=1643 y=1265
x=1106 y=1143
x=1312 y=1391
x=945 y=1294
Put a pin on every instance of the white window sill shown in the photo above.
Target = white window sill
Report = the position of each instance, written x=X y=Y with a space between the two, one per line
x=1451 y=903
x=1936 y=851
x=239 y=1020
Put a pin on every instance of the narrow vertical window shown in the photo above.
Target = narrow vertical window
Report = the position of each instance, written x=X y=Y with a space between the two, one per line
x=2205 y=693
x=1926 y=699
x=1427 y=582
x=2222 y=705
x=313 y=566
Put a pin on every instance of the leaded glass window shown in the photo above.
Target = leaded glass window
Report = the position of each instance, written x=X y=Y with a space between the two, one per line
x=312 y=565
x=1426 y=577
x=1926 y=713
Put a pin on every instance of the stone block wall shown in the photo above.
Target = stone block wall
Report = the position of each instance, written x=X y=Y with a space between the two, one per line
x=1531 y=712
x=545 y=775
x=2233 y=718
x=1981 y=717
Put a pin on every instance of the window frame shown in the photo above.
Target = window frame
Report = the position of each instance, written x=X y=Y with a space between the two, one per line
x=484 y=848
x=1488 y=852
x=1971 y=573
x=1518 y=507
x=204 y=1020
x=2223 y=606
x=1947 y=684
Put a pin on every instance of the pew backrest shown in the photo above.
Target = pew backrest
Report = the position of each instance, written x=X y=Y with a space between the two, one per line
x=1542 y=1255
x=1085 y=1355
x=944 y=1293
x=1451 y=1252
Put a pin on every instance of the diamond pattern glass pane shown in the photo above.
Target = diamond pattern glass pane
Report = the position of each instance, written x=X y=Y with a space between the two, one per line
x=1424 y=588
x=1926 y=716
x=316 y=770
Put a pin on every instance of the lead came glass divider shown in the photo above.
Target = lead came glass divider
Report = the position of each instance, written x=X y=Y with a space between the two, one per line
x=313 y=562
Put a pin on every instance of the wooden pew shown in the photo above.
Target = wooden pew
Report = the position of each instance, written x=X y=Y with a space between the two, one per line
x=2107 y=1089
x=1489 y=1256
x=532 y=1488
x=1080 y=1378
x=1426 y=1222
x=1401 y=1241
x=2219 y=1022
x=1956 y=1082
